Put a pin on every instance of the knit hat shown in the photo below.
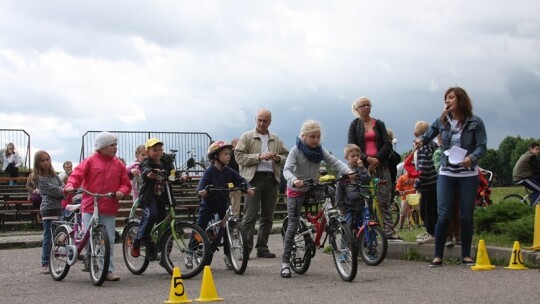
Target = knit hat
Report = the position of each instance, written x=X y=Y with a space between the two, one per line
x=104 y=139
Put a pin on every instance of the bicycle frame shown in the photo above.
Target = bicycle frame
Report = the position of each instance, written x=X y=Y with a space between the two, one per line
x=361 y=224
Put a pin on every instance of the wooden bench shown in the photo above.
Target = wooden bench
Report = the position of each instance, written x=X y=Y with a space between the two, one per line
x=20 y=211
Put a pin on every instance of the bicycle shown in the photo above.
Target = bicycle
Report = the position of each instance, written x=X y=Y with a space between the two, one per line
x=483 y=198
x=412 y=208
x=172 y=239
x=235 y=236
x=523 y=199
x=370 y=238
x=191 y=167
x=69 y=239
x=329 y=220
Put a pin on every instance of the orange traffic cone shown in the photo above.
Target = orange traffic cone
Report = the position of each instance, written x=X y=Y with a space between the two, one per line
x=536 y=235
x=516 y=260
x=482 y=258
x=177 y=293
x=208 y=289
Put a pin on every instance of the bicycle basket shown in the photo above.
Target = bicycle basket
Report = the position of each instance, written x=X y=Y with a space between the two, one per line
x=317 y=195
x=413 y=199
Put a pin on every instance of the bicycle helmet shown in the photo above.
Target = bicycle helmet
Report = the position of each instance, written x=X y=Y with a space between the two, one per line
x=216 y=147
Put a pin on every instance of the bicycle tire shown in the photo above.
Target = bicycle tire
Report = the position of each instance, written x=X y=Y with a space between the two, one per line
x=100 y=247
x=395 y=210
x=516 y=198
x=373 y=252
x=238 y=247
x=136 y=265
x=416 y=218
x=303 y=248
x=176 y=252
x=58 y=259
x=344 y=251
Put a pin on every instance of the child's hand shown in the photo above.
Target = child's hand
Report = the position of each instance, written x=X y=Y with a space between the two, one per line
x=298 y=183
x=360 y=163
x=352 y=175
x=69 y=190
x=250 y=192
x=119 y=195
x=203 y=193
x=183 y=178
x=152 y=175
x=135 y=172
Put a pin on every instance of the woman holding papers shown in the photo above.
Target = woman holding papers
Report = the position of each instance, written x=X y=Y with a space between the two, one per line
x=464 y=142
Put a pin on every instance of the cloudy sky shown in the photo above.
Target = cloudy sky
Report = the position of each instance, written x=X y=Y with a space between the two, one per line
x=67 y=67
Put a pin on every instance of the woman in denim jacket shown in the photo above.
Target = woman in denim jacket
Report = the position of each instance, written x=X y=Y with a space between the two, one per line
x=458 y=127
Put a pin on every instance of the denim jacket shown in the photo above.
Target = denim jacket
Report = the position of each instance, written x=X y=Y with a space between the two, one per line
x=473 y=138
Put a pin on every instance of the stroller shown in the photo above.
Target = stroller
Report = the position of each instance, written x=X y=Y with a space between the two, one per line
x=483 y=196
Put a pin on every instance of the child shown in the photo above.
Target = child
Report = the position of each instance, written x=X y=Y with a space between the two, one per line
x=153 y=197
x=102 y=172
x=404 y=186
x=347 y=199
x=219 y=175
x=11 y=161
x=49 y=185
x=134 y=171
x=303 y=162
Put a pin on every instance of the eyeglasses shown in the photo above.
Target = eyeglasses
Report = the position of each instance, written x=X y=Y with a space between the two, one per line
x=363 y=106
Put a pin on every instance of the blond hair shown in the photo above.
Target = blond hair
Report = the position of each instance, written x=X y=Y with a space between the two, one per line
x=420 y=127
x=349 y=148
x=356 y=103
x=309 y=126
x=390 y=133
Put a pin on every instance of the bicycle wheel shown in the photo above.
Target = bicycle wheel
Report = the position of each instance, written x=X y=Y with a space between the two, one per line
x=344 y=251
x=515 y=198
x=395 y=209
x=373 y=245
x=303 y=248
x=100 y=247
x=238 y=247
x=58 y=260
x=136 y=265
x=186 y=248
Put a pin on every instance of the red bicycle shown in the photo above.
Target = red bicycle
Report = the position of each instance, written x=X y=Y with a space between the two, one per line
x=328 y=220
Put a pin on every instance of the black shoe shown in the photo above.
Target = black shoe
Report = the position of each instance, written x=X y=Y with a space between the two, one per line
x=266 y=254
x=468 y=263
x=435 y=264
x=151 y=252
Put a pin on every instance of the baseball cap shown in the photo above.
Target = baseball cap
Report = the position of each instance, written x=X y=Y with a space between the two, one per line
x=152 y=142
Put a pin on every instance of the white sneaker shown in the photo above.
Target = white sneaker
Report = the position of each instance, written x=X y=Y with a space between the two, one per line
x=45 y=270
x=429 y=239
x=422 y=236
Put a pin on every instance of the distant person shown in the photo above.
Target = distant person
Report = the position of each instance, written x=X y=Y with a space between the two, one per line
x=394 y=159
x=460 y=130
x=303 y=162
x=134 y=171
x=527 y=170
x=371 y=136
x=49 y=185
x=68 y=168
x=101 y=172
x=260 y=155
x=11 y=162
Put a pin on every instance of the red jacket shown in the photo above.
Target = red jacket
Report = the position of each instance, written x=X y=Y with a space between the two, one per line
x=100 y=174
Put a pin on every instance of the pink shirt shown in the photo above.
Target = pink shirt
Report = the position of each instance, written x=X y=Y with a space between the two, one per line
x=371 y=143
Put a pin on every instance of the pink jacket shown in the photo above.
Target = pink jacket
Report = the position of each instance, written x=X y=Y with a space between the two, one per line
x=100 y=174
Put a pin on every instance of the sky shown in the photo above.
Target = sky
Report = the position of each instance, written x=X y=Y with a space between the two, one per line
x=67 y=67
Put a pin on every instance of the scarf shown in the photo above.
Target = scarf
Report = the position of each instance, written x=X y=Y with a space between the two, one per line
x=314 y=155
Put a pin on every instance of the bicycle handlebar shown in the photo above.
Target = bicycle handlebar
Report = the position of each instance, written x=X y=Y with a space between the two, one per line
x=242 y=187
x=81 y=190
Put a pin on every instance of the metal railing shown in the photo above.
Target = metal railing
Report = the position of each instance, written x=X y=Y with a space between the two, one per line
x=188 y=144
x=21 y=140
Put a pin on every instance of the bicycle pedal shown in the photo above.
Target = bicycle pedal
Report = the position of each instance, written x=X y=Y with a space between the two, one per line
x=297 y=262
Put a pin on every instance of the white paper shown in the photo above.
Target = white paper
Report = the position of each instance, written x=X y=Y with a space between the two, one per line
x=455 y=155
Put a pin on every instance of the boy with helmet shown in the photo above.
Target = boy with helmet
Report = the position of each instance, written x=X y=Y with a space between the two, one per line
x=219 y=175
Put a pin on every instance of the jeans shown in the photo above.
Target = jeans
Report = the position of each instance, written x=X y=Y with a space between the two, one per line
x=429 y=204
x=447 y=188
x=46 y=246
x=294 y=209
x=154 y=212
x=264 y=199
x=205 y=216
x=109 y=221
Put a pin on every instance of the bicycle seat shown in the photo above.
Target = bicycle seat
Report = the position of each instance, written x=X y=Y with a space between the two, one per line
x=72 y=208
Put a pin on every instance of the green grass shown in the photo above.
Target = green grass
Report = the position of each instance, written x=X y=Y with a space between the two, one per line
x=498 y=193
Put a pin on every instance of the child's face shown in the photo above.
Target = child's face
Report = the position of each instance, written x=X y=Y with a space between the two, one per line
x=44 y=162
x=141 y=155
x=155 y=152
x=353 y=157
x=312 y=139
x=224 y=156
x=109 y=150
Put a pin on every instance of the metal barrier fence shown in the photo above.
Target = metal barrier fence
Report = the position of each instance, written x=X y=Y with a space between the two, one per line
x=21 y=140
x=188 y=144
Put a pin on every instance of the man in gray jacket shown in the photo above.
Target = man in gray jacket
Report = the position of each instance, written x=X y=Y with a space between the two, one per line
x=527 y=171
x=260 y=156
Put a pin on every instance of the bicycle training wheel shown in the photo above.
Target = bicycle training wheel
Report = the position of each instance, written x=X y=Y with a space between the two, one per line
x=58 y=260
x=373 y=245
x=344 y=251
x=187 y=247
x=303 y=248
x=515 y=198
x=100 y=247
x=238 y=247
x=136 y=265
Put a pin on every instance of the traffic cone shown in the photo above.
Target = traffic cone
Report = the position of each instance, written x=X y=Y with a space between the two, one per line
x=516 y=260
x=178 y=292
x=482 y=258
x=208 y=289
x=536 y=239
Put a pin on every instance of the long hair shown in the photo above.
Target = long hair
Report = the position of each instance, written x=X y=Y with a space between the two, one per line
x=37 y=169
x=465 y=107
x=7 y=146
